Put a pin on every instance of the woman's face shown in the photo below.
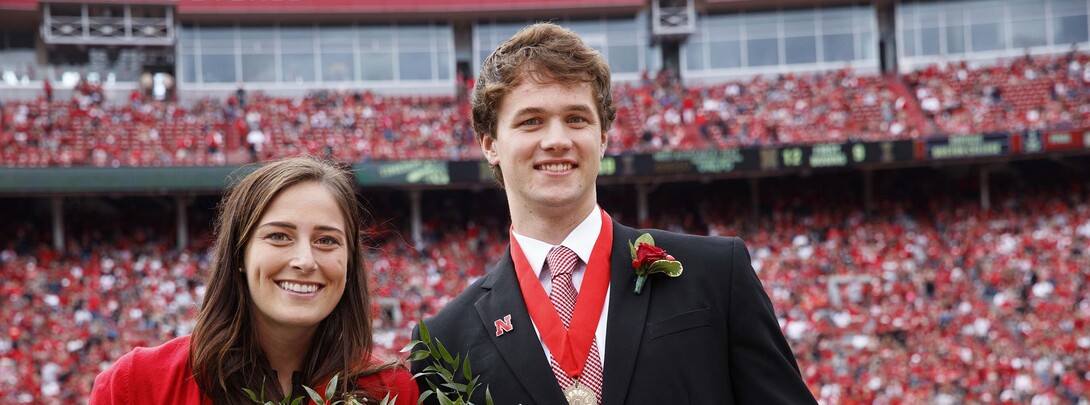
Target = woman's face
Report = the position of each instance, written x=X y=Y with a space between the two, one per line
x=296 y=262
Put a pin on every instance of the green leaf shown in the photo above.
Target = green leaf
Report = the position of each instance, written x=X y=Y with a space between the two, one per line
x=419 y=355
x=287 y=398
x=262 y=396
x=668 y=267
x=466 y=371
x=410 y=346
x=488 y=396
x=253 y=397
x=443 y=352
x=645 y=238
x=424 y=395
x=443 y=372
x=425 y=336
x=297 y=401
x=314 y=396
x=457 y=387
x=422 y=374
x=632 y=248
x=472 y=386
x=332 y=388
x=434 y=388
x=443 y=400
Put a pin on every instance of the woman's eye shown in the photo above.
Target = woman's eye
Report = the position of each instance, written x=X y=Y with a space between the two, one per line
x=328 y=241
x=277 y=236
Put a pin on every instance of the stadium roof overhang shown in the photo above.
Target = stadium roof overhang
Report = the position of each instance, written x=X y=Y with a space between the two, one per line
x=387 y=10
x=19 y=15
x=739 y=5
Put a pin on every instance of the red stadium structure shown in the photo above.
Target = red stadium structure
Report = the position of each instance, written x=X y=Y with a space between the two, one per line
x=910 y=176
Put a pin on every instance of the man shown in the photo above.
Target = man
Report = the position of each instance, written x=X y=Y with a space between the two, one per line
x=558 y=320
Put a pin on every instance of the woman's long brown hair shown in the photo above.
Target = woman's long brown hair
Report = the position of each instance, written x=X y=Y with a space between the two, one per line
x=224 y=353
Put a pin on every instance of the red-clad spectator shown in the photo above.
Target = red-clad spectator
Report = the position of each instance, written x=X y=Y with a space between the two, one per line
x=47 y=90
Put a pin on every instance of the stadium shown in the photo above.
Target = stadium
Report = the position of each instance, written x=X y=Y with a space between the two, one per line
x=912 y=177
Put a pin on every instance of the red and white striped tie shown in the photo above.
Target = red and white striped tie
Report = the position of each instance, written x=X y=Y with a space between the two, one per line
x=562 y=261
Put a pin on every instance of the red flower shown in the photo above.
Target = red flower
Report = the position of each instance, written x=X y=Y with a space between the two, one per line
x=647 y=254
x=648 y=259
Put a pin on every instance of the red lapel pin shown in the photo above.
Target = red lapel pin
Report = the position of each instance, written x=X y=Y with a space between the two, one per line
x=504 y=325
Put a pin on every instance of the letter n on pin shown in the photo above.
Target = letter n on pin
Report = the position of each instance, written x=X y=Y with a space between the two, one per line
x=504 y=325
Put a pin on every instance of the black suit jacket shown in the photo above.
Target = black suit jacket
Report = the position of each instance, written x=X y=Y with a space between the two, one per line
x=709 y=336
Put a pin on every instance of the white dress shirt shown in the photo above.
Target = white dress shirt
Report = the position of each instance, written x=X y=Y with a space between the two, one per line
x=581 y=241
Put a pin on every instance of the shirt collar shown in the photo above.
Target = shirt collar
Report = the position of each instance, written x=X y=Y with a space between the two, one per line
x=581 y=241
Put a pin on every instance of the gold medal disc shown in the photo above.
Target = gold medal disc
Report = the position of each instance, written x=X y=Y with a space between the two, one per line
x=579 y=394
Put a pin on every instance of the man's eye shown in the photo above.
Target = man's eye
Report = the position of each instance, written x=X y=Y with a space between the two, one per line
x=532 y=121
x=578 y=119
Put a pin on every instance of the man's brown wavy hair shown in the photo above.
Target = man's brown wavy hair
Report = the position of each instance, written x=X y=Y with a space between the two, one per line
x=546 y=53
x=224 y=353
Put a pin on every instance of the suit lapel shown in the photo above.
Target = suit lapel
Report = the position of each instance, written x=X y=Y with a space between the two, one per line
x=627 y=314
x=520 y=347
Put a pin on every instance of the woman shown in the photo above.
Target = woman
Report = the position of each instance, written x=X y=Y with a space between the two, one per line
x=287 y=303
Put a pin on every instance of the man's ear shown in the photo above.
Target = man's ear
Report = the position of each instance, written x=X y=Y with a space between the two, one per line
x=605 y=144
x=488 y=146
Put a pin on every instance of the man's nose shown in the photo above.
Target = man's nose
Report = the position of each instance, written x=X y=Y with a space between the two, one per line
x=556 y=136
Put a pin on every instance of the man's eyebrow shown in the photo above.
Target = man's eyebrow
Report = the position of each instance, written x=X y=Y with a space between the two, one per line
x=580 y=108
x=571 y=107
x=530 y=110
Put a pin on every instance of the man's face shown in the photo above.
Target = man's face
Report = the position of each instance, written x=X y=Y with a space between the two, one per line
x=549 y=145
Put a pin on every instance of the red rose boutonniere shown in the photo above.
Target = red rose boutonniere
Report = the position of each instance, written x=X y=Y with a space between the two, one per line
x=650 y=259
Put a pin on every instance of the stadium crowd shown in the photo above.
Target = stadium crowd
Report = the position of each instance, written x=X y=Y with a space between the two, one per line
x=927 y=300
x=1028 y=93
x=941 y=303
x=656 y=113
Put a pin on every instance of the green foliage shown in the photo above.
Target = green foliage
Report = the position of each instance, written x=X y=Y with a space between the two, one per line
x=668 y=267
x=455 y=373
x=260 y=399
x=455 y=388
x=645 y=238
x=327 y=399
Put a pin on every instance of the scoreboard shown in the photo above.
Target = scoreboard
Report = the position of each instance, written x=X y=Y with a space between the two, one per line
x=742 y=161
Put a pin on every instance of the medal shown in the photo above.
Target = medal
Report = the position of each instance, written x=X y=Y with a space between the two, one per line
x=569 y=346
x=579 y=394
